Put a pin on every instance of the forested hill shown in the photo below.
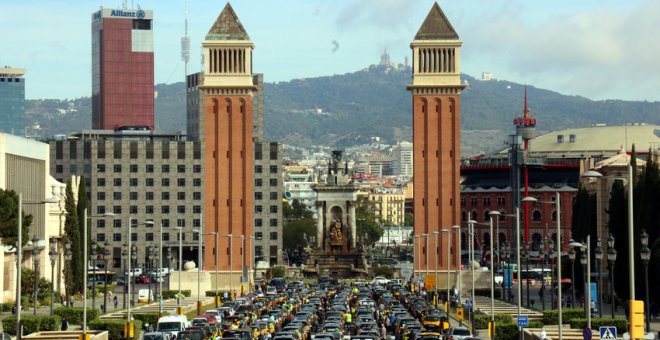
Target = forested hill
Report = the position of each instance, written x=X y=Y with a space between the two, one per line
x=348 y=109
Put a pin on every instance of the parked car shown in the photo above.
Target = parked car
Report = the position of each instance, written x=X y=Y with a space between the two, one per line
x=142 y=279
x=458 y=333
x=134 y=272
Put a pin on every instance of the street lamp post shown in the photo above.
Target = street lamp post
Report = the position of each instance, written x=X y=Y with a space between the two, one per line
x=35 y=260
x=124 y=255
x=53 y=258
x=67 y=257
x=585 y=260
x=231 y=267
x=178 y=297
x=543 y=260
x=471 y=249
x=611 y=258
x=216 y=297
x=645 y=254
x=505 y=256
x=457 y=228
x=435 y=267
x=525 y=255
x=598 y=255
x=448 y=231
x=93 y=256
x=106 y=255
x=493 y=215
x=134 y=252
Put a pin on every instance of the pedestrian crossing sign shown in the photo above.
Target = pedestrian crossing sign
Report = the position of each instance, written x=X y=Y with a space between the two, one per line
x=607 y=333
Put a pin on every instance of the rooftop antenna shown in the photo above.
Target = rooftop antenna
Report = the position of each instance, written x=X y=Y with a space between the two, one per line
x=185 y=44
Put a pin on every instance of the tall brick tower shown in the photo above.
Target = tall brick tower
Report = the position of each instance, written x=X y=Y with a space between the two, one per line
x=225 y=108
x=436 y=89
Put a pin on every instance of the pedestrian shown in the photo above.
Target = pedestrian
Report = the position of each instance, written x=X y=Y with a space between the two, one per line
x=65 y=325
x=13 y=310
x=71 y=301
x=116 y=301
x=592 y=306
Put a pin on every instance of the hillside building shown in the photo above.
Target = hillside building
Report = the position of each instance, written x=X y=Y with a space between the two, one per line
x=12 y=100
x=403 y=159
x=122 y=69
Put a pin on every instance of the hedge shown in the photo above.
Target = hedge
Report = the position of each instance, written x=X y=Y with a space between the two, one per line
x=115 y=328
x=150 y=318
x=551 y=316
x=619 y=322
x=171 y=294
x=486 y=292
x=31 y=324
x=74 y=315
x=210 y=293
x=6 y=306
x=481 y=320
x=506 y=331
x=535 y=324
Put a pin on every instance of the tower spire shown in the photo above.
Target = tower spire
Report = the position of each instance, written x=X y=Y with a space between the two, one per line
x=525 y=108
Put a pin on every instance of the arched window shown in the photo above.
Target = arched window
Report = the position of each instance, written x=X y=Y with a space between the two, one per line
x=486 y=215
x=474 y=215
x=502 y=217
x=463 y=216
x=554 y=215
x=536 y=215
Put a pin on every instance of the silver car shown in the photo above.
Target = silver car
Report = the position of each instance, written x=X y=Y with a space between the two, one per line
x=458 y=333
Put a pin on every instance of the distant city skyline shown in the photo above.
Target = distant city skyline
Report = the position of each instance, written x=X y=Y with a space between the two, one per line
x=600 y=49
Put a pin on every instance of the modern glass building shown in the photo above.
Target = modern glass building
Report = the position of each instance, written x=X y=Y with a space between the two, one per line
x=122 y=69
x=12 y=100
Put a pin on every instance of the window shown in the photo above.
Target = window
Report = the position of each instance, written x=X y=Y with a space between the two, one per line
x=116 y=195
x=100 y=237
x=273 y=222
x=165 y=209
x=273 y=195
x=258 y=182
x=116 y=237
x=151 y=223
x=258 y=209
x=134 y=237
x=273 y=182
x=116 y=182
x=100 y=209
x=165 y=168
x=165 y=182
x=150 y=150
x=100 y=223
x=133 y=150
x=273 y=169
x=87 y=168
x=258 y=236
x=181 y=195
x=473 y=201
x=116 y=168
x=181 y=209
x=486 y=201
x=133 y=168
x=181 y=168
x=197 y=182
x=149 y=168
x=181 y=182
x=463 y=216
x=149 y=195
x=149 y=236
x=554 y=215
x=59 y=169
x=197 y=196
x=181 y=223
x=501 y=201
x=149 y=209
x=133 y=182
x=560 y=138
x=258 y=169
x=116 y=223
x=273 y=236
x=258 y=222
x=100 y=196
x=486 y=215
x=536 y=215
x=197 y=223
x=165 y=223
x=117 y=150
x=133 y=195
x=116 y=209
x=273 y=209
x=149 y=182
x=73 y=168
x=166 y=236
x=462 y=201
x=165 y=196
x=100 y=182
x=197 y=168
x=257 y=196
x=197 y=209
x=100 y=167
x=571 y=138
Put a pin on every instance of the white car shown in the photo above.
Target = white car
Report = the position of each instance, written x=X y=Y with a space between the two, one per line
x=379 y=280
x=271 y=291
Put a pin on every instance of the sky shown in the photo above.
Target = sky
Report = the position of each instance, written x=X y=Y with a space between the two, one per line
x=600 y=49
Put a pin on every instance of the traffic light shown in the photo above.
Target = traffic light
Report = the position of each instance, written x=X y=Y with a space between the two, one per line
x=636 y=319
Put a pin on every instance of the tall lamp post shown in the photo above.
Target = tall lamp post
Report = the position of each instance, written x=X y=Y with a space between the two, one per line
x=35 y=260
x=93 y=257
x=493 y=215
x=525 y=255
x=571 y=257
x=106 y=256
x=53 y=258
x=448 y=231
x=585 y=260
x=471 y=249
x=542 y=257
x=611 y=258
x=598 y=255
x=67 y=257
x=645 y=254
x=159 y=272
x=551 y=263
x=124 y=255
x=457 y=228
x=435 y=266
x=134 y=251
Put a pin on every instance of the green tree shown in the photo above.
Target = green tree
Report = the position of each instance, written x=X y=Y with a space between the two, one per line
x=296 y=210
x=409 y=219
x=618 y=226
x=368 y=230
x=647 y=217
x=583 y=224
x=294 y=232
x=27 y=285
x=9 y=219
x=82 y=204
x=72 y=232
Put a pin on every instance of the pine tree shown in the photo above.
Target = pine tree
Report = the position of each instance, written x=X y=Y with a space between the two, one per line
x=72 y=232
x=618 y=226
x=9 y=219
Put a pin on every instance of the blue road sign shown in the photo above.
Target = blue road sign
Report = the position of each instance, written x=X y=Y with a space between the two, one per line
x=607 y=333
x=586 y=333
x=523 y=321
x=468 y=304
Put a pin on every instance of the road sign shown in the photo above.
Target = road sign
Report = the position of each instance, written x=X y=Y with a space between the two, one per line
x=523 y=321
x=468 y=304
x=586 y=333
x=459 y=313
x=607 y=333
x=429 y=282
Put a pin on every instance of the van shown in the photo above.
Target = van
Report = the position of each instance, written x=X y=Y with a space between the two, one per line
x=145 y=295
x=172 y=324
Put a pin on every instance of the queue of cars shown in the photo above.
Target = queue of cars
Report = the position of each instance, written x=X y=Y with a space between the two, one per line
x=323 y=311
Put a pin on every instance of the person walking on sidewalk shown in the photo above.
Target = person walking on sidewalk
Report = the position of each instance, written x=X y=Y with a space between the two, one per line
x=115 y=301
